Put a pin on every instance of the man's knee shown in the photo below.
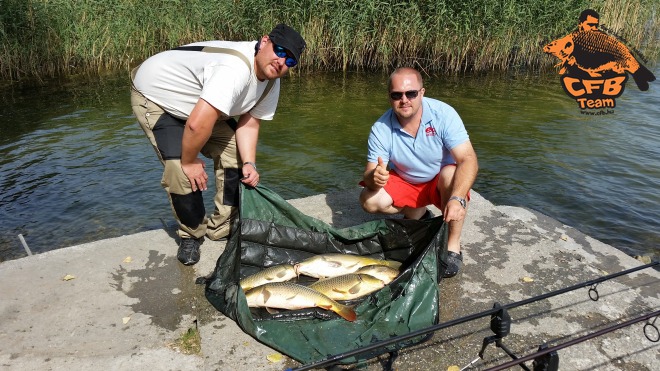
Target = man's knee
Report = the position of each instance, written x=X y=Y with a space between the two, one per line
x=189 y=208
x=369 y=207
x=371 y=201
x=364 y=201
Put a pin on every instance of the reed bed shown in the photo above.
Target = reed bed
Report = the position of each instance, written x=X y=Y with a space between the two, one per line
x=46 y=38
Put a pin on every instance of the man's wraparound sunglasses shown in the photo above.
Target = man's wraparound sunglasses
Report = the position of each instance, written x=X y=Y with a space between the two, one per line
x=280 y=52
x=410 y=94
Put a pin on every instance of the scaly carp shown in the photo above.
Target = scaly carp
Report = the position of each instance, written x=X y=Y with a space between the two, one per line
x=348 y=286
x=286 y=295
x=333 y=265
x=596 y=52
x=278 y=273
x=382 y=272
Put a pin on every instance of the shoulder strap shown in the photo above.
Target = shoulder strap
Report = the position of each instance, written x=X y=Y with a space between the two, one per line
x=213 y=49
x=266 y=91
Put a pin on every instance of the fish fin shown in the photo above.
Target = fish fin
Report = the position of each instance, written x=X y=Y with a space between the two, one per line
x=345 y=311
x=571 y=60
x=266 y=295
x=355 y=288
x=592 y=73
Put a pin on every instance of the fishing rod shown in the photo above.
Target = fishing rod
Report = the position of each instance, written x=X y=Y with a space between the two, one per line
x=593 y=295
x=543 y=350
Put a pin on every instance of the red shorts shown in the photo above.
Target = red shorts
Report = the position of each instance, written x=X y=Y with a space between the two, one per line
x=405 y=194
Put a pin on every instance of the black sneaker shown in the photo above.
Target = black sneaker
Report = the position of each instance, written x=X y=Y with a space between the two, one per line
x=188 y=253
x=454 y=263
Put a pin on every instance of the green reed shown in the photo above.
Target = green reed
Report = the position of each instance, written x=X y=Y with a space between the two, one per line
x=44 y=38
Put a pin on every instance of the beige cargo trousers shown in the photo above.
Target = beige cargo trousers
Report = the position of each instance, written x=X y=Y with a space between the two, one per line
x=165 y=133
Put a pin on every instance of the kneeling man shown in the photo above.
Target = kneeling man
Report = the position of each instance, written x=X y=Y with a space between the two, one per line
x=424 y=144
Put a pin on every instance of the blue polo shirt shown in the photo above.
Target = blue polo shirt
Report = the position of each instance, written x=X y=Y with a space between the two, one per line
x=418 y=160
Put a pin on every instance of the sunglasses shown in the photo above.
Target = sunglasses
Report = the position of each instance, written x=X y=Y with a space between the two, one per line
x=280 y=52
x=410 y=94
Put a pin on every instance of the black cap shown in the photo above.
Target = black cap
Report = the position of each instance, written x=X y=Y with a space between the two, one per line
x=289 y=39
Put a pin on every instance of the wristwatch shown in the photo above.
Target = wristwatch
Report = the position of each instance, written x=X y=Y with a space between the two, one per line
x=251 y=164
x=460 y=200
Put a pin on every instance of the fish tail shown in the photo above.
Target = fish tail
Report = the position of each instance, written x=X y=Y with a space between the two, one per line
x=642 y=78
x=345 y=311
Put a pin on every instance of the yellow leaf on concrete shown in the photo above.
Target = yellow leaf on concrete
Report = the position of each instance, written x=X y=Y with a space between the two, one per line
x=274 y=358
x=453 y=368
x=68 y=277
x=126 y=319
x=527 y=279
x=128 y=259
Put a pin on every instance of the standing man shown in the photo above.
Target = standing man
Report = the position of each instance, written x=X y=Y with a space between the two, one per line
x=424 y=143
x=185 y=100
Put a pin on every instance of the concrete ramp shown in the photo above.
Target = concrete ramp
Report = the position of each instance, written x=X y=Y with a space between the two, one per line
x=123 y=303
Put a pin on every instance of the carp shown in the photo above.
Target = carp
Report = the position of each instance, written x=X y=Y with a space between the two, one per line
x=595 y=52
x=382 y=272
x=278 y=273
x=332 y=265
x=348 y=286
x=287 y=295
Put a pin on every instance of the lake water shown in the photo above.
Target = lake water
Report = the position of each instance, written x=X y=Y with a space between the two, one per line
x=75 y=167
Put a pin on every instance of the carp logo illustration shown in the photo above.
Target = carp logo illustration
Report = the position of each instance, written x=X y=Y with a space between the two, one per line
x=594 y=65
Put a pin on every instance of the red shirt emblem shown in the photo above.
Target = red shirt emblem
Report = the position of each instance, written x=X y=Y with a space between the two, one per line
x=430 y=131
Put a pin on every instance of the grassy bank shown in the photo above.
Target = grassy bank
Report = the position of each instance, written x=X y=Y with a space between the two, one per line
x=44 y=38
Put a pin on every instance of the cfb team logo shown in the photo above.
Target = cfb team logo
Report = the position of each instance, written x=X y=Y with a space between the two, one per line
x=595 y=65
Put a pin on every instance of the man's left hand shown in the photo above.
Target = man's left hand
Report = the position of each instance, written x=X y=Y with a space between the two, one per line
x=250 y=176
x=453 y=211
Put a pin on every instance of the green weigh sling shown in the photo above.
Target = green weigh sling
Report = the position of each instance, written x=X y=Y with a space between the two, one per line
x=270 y=231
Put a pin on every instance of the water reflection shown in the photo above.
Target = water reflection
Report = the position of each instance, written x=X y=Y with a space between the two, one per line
x=75 y=167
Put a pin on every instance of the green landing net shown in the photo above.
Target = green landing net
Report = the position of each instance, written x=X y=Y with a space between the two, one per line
x=271 y=231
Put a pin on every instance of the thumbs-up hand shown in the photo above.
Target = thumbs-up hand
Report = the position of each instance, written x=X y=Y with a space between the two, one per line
x=381 y=175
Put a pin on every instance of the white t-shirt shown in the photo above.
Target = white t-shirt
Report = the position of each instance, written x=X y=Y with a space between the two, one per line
x=176 y=79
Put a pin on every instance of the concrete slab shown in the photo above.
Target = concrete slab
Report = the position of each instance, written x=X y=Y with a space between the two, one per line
x=127 y=300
